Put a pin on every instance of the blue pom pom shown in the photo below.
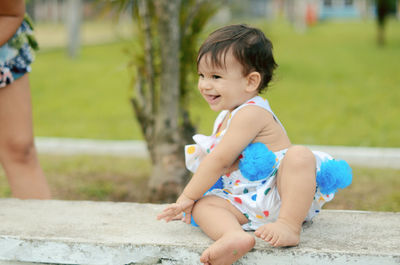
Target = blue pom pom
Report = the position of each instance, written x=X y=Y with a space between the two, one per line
x=334 y=175
x=257 y=162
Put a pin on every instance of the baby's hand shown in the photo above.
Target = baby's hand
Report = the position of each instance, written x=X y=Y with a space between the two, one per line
x=183 y=204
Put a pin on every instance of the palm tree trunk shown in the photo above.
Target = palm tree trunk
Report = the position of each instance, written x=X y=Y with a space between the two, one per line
x=169 y=173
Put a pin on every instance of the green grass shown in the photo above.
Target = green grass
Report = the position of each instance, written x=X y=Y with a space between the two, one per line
x=83 y=98
x=371 y=190
x=103 y=178
x=334 y=86
x=99 y=178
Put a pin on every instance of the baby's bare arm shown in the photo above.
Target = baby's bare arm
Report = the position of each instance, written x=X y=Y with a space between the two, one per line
x=243 y=129
x=11 y=15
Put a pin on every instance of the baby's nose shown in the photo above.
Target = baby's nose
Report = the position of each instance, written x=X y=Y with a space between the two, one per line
x=205 y=84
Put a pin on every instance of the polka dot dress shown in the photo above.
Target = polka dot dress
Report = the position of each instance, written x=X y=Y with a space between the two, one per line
x=258 y=200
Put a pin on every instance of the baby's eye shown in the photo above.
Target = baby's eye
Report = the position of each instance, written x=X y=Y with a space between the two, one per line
x=201 y=75
x=216 y=77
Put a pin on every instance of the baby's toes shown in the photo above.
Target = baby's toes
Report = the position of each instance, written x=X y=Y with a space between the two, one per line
x=205 y=257
x=274 y=240
x=269 y=236
x=261 y=232
x=258 y=232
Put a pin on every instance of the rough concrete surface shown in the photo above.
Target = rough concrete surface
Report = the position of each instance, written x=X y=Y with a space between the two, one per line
x=83 y=232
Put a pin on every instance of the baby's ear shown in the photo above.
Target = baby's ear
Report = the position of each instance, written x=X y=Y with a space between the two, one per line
x=253 y=81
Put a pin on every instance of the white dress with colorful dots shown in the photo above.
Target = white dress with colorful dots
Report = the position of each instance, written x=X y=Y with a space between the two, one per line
x=258 y=200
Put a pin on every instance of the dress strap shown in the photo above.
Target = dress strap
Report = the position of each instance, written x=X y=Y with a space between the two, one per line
x=218 y=121
x=256 y=101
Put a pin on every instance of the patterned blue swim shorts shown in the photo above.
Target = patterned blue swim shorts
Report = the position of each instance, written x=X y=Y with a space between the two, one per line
x=17 y=54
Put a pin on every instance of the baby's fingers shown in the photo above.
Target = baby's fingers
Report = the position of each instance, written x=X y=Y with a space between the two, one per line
x=169 y=213
x=187 y=218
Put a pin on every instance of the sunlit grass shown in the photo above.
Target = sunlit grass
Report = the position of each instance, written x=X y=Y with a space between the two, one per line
x=83 y=98
x=105 y=178
x=371 y=190
x=334 y=86
x=99 y=178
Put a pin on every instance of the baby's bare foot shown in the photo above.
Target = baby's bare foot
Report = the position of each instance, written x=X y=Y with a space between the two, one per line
x=279 y=234
x=228 y=249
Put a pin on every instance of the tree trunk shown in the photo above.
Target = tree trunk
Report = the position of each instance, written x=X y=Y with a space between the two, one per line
x=168 y=31
x=383 y=10
x=74 y=18
x=381 y=35
x=169 y=172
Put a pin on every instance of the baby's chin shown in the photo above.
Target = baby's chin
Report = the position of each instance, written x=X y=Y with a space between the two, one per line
x=215 y=107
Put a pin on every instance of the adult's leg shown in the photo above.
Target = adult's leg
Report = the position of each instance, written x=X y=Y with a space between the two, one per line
x=296 y=186
x=17 y=150
x=221 y=221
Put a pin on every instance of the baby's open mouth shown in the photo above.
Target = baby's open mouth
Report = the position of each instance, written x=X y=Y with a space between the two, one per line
x=212 y=98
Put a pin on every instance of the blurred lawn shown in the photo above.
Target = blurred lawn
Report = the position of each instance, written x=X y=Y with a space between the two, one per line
x=334 y=86
x=103 y=178
x=83 y=98
x=95 y=178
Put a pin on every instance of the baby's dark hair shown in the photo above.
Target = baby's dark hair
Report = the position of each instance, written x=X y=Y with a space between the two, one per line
x=248 y=45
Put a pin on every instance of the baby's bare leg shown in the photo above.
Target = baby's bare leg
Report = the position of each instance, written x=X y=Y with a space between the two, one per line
x=221 y=221
x=296 y=186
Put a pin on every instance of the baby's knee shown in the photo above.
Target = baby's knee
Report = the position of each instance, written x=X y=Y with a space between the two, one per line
x=300 y=156
x=203 y=204
x=198 y=209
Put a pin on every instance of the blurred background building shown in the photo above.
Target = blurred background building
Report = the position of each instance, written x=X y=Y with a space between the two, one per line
x=56 y=10
x=301 y=14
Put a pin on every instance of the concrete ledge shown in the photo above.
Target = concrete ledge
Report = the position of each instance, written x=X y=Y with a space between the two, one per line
x=82 y=232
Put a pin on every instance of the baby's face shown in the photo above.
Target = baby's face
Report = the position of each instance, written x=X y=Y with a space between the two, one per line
x=224 y=88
